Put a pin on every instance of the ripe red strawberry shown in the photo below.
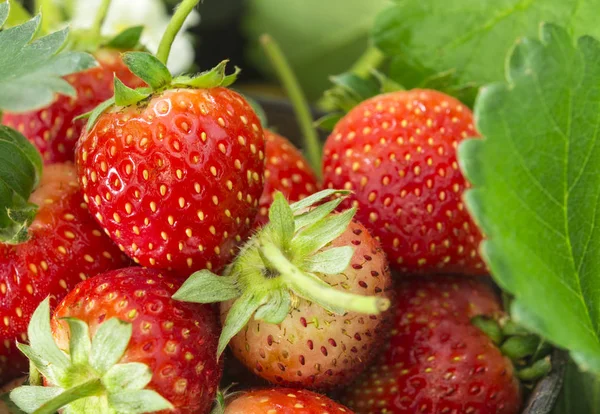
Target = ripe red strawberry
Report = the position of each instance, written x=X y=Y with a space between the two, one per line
x=316 y=291
x=175 y=179
x=287 y=171
x=436 y=361
x=282 y=401
x=397 y=153
x=65 y=246
x=147 y=341
x=52 y=129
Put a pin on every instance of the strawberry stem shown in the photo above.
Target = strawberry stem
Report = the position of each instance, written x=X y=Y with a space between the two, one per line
x=317 y=291
x=296 y=96
x=181 y=13
x=101 y=13
x=87 y=389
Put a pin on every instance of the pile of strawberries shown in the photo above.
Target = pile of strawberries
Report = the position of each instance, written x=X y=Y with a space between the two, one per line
x=173 y=197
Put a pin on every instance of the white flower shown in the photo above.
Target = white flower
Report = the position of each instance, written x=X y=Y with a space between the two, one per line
x=152 y=14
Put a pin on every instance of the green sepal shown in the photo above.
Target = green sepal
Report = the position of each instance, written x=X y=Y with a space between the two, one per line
x=109 y=344
x=40 y=364
x=93 y=115
x=318 y=235
x=239 y=314
x=41 y=340
x=125 y=96
x=276 y=309
x=87 y=389
x=219 y=405
x=317 y=197
x=208 y=79
x=537 y=370
x=131 y=376
x=316 y=214
x=490 y=327
x=206 y=287
x=128 y=39
x=140 y=401
x=281 y=220
x=80 y=343
x=329 y=121
x=148 y=68
x=10 y=405
x=518 y=347
x=30 y=398
x=330 y=261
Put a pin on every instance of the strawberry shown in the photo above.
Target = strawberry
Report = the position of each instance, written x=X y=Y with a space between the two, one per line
x=282 y=401
x=397 y=153
x=436 y=361
x=62 y=247
x=147 y=351
x=174 y=172
x=315 y=282
x=287 y=171
x=52 y=129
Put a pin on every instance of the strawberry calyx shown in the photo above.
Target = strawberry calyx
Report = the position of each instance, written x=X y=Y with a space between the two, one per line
x=288 y=259
x=88 y=374
x=153 y=70
x=350 y=89
x=529 y=353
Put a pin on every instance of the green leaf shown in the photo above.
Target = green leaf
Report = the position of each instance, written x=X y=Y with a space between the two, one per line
x=321 y=233
x=580 y=393
x=470 y=37
x=206 y=287
x=315 y=198
x=131 y=376
x=206 y=79
x=281 y=220
x=317 y=213
x=148 y=68
x=96 y=113
x=40 y=337
x=80 y=343
x=239 y=314
x=30 y=398
x=142 y=401
x=276 y=309
x=330 y=261
x=128 y=39
x=125 y=96
x=31 y=72
x=537 y=187
x=109 y=344
x=20 y=173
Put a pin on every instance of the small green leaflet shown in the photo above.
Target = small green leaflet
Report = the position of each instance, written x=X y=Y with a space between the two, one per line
x=537 y=187
x=31 y=71
x=128 y=39
x=466 y=40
